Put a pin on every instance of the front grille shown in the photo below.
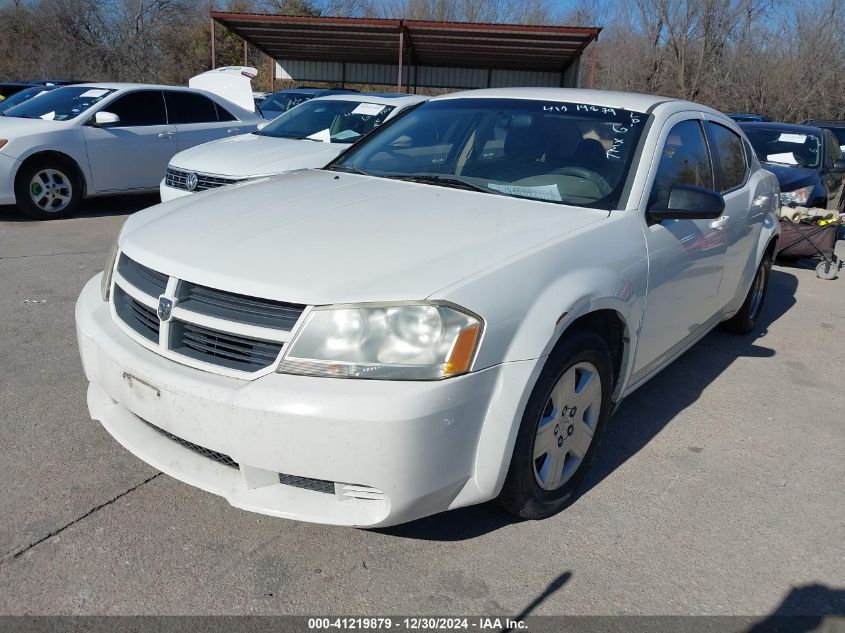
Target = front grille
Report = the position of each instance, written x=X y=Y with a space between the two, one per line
x=136 y=315
x=144 y=279
x=317 y=485
x=184 y=336
x=235 y=307
x=222 y=348
x=178 y=178
x=220 y=458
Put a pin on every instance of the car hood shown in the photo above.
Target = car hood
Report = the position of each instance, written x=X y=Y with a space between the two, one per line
x=320 y=237
x=256 y=155
x=14 y=127
x=792 y=177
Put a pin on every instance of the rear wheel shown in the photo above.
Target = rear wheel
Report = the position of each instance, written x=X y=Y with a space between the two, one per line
x=47 y=189
x=746 y=319
x=561 y=428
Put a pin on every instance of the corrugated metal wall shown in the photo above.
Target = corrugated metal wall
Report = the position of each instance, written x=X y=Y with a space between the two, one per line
x=421 y=76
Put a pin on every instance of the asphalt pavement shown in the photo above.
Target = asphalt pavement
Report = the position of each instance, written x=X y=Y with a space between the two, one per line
x=720 y=488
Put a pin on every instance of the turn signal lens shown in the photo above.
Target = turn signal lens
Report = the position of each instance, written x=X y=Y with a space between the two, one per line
x=461 y=355
x=3 y=142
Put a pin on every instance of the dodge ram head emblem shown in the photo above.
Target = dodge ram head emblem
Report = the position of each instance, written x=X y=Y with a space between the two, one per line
x=191 y=181
x=165 y=309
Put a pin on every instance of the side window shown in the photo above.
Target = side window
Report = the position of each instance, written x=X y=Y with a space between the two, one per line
x=190 y=107
x=684 y=160
x=728 y=156
x=223 y=114
x=135 y=109
x=833 y=150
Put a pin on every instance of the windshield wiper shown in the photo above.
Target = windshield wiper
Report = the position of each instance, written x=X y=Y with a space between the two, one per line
x=347 y=169
x=445 y=181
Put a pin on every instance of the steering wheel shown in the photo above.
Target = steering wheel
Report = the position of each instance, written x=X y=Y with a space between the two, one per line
x=587 y=174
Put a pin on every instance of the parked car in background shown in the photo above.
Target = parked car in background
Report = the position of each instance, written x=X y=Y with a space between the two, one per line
x=446 y=314
x=285 y=143
x=24 y=95
x=837 y=127
x=283 y=100
x=807 y=161
x=98 y=139
x=749 y=118
x=9 y=88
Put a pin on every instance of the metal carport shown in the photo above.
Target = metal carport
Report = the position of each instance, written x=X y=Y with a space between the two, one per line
x=412 y=53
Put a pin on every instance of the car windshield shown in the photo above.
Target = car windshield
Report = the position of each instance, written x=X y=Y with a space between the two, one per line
x=284 y=101
x=785 y=146
x=330 y=121
x=61 y=104
x=565 y=153
x=20 y=97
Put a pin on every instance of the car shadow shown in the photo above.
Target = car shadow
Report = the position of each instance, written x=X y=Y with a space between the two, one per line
x=804 y=609
x=639 y=419
x=92 y=208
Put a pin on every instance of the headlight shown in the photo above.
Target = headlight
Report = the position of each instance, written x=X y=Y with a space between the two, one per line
x=105 y=282
x=796 y=196
x=419 y=341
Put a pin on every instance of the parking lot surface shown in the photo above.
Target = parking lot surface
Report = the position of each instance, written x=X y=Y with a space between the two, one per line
x=720 y=487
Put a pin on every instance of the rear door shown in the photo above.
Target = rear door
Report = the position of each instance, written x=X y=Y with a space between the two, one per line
x=686 y=257
x=198 y=119
x=133 y=153
x=732 y=169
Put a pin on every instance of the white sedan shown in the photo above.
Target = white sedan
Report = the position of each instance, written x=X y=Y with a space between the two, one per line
x=99 y=139
x=447 y=314
x=284 y=144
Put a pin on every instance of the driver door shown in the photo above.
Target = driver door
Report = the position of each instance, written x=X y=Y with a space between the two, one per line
x=132 y=154
x=686 y=257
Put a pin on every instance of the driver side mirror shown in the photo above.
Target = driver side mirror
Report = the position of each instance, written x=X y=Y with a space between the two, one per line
x=687 y=202
x=838 y=166
x=105 y=119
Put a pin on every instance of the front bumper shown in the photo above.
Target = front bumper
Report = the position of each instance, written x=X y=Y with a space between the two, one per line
x=390 y=451
x=8 y=169
x=168 y=193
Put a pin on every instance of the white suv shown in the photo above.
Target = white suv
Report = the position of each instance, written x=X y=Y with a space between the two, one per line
x=447 y=314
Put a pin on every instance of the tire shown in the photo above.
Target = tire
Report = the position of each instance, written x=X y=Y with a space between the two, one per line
x=530 y=491
x=744 y=321
x=48 y=189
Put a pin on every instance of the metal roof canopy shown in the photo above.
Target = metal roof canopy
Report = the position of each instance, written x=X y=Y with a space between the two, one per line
x=413 y=52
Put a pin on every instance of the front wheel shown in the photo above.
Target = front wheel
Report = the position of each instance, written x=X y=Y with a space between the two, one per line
x=561 y=428
x=746 y=319
x=47 y=190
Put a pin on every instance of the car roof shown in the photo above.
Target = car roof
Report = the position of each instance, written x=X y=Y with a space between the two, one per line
x=366 y=97
x=774 y=125
x=605 y=98
x=824 y=123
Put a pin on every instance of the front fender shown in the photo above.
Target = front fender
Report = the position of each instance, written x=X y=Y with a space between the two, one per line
x=529 y=302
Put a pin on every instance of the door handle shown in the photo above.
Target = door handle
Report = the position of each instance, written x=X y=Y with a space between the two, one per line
x=166 y=134
x=233 y=130
x=720 y=223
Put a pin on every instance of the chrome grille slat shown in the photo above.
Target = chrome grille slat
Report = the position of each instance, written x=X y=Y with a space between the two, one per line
x=178 y=178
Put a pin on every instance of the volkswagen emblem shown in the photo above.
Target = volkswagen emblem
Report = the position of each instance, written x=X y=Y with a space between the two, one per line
x=165 y=309
x=191 y=181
